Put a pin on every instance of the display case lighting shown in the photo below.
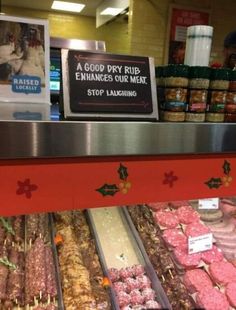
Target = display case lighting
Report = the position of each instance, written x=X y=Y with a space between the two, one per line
x=67 y=6
x=112 y=11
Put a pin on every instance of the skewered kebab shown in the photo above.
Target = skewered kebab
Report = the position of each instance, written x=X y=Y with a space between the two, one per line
x=32 y=221
x=3 y=273
x=15 y=281
x=18 y=227
x=51 y=287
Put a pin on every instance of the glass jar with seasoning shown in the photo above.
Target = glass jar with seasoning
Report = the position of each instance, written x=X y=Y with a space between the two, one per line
x=219 y=85
x=175 y=93
x=230 y=106
x=199 y=80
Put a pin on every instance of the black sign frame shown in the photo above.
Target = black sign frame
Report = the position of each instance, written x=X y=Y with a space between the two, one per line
x=100 y=86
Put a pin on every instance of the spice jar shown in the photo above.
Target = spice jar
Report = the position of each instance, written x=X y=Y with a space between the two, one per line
x=217 y=95
x=175 y=94
x=198 y=90
x=230 y=106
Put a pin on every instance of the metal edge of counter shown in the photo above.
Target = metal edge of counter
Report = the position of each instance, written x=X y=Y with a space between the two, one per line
x=32 y=139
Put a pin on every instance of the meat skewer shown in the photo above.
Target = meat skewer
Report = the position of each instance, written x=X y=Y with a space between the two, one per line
x=43 y=226
x=32 y=221
x=15 y=279
x=18 y=227
x=51 y=287
x=3 y=274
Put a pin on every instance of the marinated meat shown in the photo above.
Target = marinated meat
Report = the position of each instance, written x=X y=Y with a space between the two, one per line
x=32 y=221
x=51 y=286
x=196 y=279
x=212 y=299
x=222 y=272
x=3 y=274
x=187 y=215
x=18 y=227
x=38 y=249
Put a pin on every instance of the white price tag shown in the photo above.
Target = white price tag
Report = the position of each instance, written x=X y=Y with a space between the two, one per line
x=210 y=203
x=200 y=243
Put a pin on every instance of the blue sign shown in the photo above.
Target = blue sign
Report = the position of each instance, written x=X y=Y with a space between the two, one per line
x=26 y=84
x=27 y=115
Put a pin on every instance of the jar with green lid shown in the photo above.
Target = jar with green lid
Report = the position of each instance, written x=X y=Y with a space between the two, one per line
x=219 y=85
x=176 y=75
x=199 y=80
x=176 y=82
x=230 y=106
x=220 y=79
x=199 y=77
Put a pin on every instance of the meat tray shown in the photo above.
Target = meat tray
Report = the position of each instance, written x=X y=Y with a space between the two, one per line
x=140 y=253
x=150 y=270
x=93 y=231
x=56 y=263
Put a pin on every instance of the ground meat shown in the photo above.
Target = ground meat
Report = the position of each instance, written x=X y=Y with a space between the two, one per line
x=212 y=299
x=187 y=215
x=50 y=274
x=223 y=272
x=167 y=219
x=231 y=293
x=187 y=260
x=174 y=237
x=196 y=229
x=196 y=279
x=213 y=255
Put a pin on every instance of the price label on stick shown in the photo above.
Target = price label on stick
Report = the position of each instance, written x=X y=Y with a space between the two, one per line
x=210 y=203
x=200 y=243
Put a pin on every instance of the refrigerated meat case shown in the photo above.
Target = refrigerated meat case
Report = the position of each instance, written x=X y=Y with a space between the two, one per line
x=57 y=166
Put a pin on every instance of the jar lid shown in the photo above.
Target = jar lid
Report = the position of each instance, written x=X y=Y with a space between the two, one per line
x=176 y=71
x=159 y=71
x=233 y=75
x=220 y=74
x=198 y=72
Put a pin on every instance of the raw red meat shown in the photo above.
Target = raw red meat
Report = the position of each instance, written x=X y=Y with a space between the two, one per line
x=174 y=237
x=119 y=287
x=231 y=293
x=114 y=274
x=144 y=282
x=196 y=229
x=148 y=294
x=222 y=272
x=136 y=297
x=212 y=299
x=213 y=255
x=131 y=284
x=123 y=299
x=187 y=215
x=196 y=280
x=187 y=260
x=126 y=272
x=138 y=270
x=167 y=219
x=152 y=304
x=155 y=206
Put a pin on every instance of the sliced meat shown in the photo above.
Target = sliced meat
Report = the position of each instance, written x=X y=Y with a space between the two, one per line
x=196 y=280
x=227 y=244
x=212 y=299
x=226 y=228
x=225 y=236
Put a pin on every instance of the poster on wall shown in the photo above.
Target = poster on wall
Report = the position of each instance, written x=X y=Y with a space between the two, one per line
x=24 y=60
x=180 y=18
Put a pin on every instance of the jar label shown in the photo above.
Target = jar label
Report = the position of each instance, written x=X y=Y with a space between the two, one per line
x=175 y=106
x=217 y=97
x=197 y=107
x=176 y=94
x=218 y=108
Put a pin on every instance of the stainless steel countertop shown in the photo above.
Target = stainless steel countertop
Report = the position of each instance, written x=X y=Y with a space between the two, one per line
x=22 y=139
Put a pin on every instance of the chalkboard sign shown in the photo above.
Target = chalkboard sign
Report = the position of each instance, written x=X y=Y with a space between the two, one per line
x=108 y=85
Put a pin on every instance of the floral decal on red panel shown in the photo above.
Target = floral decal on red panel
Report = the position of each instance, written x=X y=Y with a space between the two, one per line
x=26 y=188
x=225 y=180
x=123 y=186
